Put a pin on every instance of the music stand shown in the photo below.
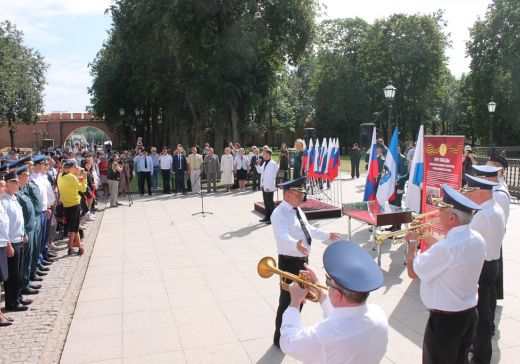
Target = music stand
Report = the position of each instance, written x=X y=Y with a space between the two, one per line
x=201 y=212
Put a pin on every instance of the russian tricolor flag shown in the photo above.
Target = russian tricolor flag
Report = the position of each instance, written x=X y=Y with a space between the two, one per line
x=373 y=171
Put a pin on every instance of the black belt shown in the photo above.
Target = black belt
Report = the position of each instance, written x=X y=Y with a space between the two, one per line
x=451 y=312
x=288 y=257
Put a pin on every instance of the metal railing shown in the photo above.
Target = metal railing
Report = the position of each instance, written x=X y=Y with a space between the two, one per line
x=512 y=173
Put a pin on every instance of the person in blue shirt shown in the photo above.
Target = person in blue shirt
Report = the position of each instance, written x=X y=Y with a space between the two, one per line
x=144 y=168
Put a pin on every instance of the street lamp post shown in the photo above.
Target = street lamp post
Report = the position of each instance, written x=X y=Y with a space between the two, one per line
x=491 y=109
x=122 y=114
x=389 y=92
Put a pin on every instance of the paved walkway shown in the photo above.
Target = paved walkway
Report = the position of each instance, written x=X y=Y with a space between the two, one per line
x=165 y=286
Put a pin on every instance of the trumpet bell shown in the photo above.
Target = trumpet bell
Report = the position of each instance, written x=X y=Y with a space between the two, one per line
x=266 y=267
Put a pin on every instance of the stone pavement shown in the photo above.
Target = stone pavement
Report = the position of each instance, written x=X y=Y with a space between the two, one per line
x=38 y=335
x=164 y=286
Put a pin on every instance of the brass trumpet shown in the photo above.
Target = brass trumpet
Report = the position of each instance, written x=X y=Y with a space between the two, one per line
x=267 y=267
x=431 y=213
x=399 y=234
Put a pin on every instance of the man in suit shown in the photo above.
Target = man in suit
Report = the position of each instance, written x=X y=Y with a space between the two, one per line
x=268 y=169
x=355 y=158
x=255 y=176
x=180 y=165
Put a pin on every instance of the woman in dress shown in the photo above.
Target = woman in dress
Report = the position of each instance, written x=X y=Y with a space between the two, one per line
x=299 y=145
x=226 y=168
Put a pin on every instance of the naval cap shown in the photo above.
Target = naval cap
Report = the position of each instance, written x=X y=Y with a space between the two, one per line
x=351 y=267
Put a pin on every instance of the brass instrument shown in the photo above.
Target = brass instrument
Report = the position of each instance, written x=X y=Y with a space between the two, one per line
x=267 y=267
x=399 y=234
x=431 y=213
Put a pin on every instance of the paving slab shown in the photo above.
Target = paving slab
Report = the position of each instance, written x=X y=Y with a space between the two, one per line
x=164 y=286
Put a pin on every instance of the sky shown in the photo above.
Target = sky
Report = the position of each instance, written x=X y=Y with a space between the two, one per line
x=68 y=33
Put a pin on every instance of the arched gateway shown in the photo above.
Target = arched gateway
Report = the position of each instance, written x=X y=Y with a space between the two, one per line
x=55 y=126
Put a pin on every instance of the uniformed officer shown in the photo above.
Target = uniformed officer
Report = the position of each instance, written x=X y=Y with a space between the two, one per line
x=39 y=200
x=294 y=236
x=18 y=238
x=449 y=272
x=30 y=223
x=353 y=331
x=501 y=195
x=501 y=162
x=490 y=223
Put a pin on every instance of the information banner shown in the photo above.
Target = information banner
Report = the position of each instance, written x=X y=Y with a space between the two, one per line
x=442 y=165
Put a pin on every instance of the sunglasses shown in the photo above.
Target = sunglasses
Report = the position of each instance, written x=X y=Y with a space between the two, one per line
x=328 y=282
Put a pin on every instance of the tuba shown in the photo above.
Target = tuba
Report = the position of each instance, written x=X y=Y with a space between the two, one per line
x=267 y=267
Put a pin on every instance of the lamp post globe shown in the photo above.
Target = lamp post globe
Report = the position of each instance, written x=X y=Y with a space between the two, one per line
x=389 y=92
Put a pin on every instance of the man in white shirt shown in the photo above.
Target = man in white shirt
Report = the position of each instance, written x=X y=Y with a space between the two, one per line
x=294 y=236
x=353 y=331
x=449 y=272
x=490 y=223
x=268 y=170
x=144 y=167
x=497 y=160
x=165 y=163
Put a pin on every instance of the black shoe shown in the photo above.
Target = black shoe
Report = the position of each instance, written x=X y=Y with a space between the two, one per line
x=268 y=222
x=70 y=251
x=40 y=273
x=6 y=323
x=42 y=268
x=51 y=255
x=10 y=319
x=265 y=219
x=26 y=302
x=18 y=307
x=35 y=278
x=29 y=290
x=35 y=286
x=47 y=261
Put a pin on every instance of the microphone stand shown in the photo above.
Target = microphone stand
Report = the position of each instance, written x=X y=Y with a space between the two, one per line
x=201 y=212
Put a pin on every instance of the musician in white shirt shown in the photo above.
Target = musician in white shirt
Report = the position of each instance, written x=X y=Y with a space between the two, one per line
x=353 y=331
x=268 y=170
x=490 y=223
x=449 y=272
x=294 y=236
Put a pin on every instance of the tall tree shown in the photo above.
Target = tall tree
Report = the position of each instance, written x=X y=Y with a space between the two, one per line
x=22 y=80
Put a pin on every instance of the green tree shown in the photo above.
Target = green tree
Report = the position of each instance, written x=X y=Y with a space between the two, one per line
x=22 y=80
x=494 y=49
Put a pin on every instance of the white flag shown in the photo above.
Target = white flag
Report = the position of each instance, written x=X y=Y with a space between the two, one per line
x=386 y=187
x=413 y=193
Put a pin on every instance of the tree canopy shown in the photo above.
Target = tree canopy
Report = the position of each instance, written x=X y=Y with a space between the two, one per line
x=22 y=80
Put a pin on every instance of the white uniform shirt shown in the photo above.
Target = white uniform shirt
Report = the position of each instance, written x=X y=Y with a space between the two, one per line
x=287 y=230
x=15 y=217
x=490 y=223
x=241 y=162
x=165 y=161
x=42 y=186
x=450 y=270
x=502 y=196
x=4 y=227
x=357 y=335
x=51 y=197
x=268 y=178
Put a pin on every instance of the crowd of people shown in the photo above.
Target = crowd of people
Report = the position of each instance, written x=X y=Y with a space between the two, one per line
x=42 y=197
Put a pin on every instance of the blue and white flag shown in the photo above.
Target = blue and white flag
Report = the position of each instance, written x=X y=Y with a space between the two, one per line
x=413 y=193
x=386 y=188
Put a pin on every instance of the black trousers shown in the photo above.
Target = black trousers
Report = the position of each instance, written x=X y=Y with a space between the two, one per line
x=145 y=176
x=256 y=179
x=354 y=165
x=499 y=285
x=179 y=181
x=14 y=283
x=448 y=337
x=487 y=297
x=268 y=203
x=166 y=180
x=292 y=265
